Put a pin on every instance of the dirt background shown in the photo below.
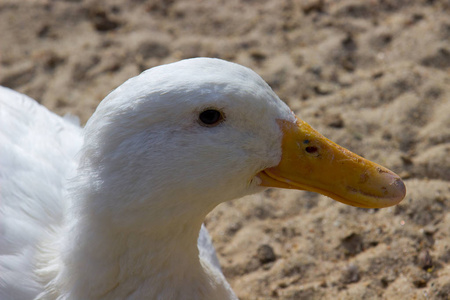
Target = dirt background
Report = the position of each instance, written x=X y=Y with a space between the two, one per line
x=374 y=76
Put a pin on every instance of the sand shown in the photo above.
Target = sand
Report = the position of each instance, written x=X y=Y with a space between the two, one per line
x=374 y=76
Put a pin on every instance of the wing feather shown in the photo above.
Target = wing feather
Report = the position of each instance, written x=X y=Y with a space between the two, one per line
x=37 y=155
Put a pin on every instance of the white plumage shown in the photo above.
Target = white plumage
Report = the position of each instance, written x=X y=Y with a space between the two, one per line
x=114 y=210
x=37 y=154
x=79 y=232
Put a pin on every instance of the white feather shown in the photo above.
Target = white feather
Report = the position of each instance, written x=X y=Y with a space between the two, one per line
x=114 y=211
x=37 y=154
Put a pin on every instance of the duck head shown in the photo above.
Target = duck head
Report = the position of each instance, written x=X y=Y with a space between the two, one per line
x=181 y=138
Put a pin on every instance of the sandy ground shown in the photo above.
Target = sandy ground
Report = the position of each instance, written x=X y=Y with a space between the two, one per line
x=374 y=76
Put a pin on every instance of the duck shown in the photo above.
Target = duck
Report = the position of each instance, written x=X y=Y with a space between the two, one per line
x=115 y=210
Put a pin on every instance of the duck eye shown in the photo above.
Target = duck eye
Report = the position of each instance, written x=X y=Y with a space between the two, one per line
x=210 y=117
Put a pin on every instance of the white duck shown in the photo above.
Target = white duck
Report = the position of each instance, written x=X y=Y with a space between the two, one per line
x=114 y=210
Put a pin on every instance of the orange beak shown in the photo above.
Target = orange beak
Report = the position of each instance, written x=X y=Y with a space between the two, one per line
x=313 y=163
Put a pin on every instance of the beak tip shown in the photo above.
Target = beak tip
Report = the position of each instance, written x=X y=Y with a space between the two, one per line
x=399 y=190
x=395 y=191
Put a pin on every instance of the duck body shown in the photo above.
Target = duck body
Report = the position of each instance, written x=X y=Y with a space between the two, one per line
x=37 y=154
x=114 y=210
x=68 y=237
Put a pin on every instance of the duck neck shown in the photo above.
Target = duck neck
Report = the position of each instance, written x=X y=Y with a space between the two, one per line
x=161 y=262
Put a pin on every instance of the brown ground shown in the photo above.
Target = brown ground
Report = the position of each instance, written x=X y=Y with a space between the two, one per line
x=374 y=76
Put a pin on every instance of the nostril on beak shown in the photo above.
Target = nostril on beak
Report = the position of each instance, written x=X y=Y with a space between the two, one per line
x=311 y=149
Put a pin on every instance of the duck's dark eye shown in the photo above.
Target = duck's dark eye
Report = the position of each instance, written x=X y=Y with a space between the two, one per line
x=211 y=117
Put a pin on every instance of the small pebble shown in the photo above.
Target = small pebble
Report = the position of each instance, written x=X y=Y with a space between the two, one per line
x=351 y=274
x=265 y=254
x=424 y=260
